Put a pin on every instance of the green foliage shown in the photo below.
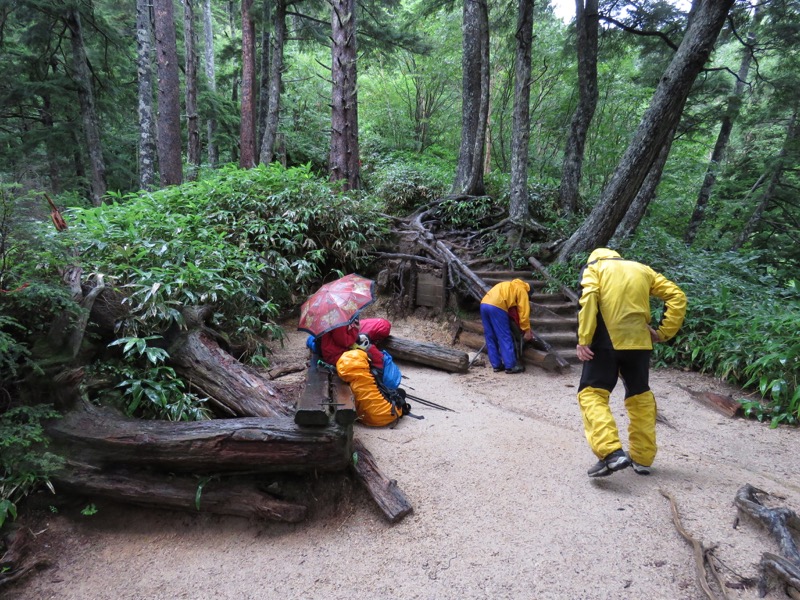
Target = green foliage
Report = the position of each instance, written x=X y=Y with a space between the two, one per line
x=24 y=462
x=150 y=389
x=741 y=322
x=248 y=242
x=406 y=181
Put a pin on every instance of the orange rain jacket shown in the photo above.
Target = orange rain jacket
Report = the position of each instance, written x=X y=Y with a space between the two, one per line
x=371 y=406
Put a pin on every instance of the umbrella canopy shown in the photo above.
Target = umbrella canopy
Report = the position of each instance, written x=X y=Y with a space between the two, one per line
x=335 y=304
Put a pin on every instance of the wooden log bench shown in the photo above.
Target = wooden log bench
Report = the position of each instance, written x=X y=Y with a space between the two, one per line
x=324 y=396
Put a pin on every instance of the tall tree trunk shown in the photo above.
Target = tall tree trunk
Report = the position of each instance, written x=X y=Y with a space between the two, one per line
x=658 y=120
x=475 y=99
x=247 y=126
x=726 y=126
x=192 y=118
x=236 y=81
x=46 y=114
x=169 y=103
x=275 y=83
x=83 y=81
x=144 y=71
x=521 y=122
x=264 y=80
x=646 y=194
x=778 y=168
x=211 y=79
x=344 y=156
x=587 y=24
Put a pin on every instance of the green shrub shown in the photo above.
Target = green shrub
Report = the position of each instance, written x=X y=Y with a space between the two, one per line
x=24 y=462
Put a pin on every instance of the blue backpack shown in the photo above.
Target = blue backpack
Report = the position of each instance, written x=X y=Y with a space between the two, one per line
x=391 y=372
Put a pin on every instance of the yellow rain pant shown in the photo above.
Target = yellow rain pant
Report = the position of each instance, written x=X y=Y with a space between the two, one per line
x=601 y=430
x=642 y=429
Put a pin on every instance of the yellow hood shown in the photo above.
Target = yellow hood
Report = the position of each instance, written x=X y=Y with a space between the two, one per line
x=599 y=253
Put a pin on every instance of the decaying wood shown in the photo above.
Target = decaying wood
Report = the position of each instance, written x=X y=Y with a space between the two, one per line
x=231 y=386
x=343 y=401
x=313 y=406
x=725 y=405
x=779 y=522
x=389 y=498
x=697 y=548
x=185 y=493
x=102 y=437
x=18 y=561
x=279 y=372
x=427 y=353
x=475 y=339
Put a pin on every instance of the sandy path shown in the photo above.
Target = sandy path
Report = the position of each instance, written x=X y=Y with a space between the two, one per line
x=502 y=509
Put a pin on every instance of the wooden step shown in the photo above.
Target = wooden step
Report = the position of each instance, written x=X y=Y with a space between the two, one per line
x=566 y=323
x=535 y=284
x=548 y=298
x=559 y=308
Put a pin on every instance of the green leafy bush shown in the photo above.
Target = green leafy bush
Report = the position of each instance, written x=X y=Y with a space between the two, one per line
x=25 y=463
x=741 y=322
x=406 y=181
x=249 y=242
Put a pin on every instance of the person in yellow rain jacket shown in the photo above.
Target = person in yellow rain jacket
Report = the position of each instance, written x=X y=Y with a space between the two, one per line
x=615 y=339
x=506 y=296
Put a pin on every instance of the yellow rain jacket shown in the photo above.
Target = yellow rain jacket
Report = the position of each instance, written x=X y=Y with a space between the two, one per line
x=508 y=294
x=620 y=290
x=371 y=406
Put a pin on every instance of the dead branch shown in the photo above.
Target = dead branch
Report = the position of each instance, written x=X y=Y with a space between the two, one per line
x=697 y=547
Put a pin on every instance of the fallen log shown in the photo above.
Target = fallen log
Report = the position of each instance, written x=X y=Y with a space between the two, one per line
x=103 y=437
x=314 y=402
x=389 y=498
x=725 y=405
x=426 y=353
x=236 y=498
x=546 y=360
x=231 y=386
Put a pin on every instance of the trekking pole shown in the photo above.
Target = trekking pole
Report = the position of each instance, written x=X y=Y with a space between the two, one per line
x=428 y=403
x=477 y=354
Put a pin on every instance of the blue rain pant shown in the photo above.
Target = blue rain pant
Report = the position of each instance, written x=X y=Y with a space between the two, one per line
x=499 y=341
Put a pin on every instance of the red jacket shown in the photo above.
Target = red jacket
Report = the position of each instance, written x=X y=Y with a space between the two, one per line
x=338 y=341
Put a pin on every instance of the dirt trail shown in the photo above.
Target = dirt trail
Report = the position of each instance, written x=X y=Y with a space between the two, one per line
x=502 y=509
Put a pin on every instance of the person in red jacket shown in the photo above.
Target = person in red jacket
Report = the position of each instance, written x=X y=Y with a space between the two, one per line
x=337 y=341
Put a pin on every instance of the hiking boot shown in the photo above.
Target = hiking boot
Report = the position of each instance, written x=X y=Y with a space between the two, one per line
x=616 y=461
x=515 y=369
x=638 y=468
x=498 y=369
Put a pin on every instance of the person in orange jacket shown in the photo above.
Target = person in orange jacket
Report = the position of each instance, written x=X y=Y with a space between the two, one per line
x=615 y=340
x=503 y=298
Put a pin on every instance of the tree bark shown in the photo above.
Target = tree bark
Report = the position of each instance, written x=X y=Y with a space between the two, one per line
x=426 y=353
x=190 y=61
x=231 y=386
x=659 y=119
x=587 y=24
x=144 y=70
x=247 y=129
x=275 y=83
x=475 y=99
x=240 y=499
x=344 y=155
x=792 y=131
x=521 y=123
x=389 y=498
x=724 y=135
x=169 y=104
x=83 y=81
x=102 y=437
x=645 y=195
x=211 y=79
x=263 y=77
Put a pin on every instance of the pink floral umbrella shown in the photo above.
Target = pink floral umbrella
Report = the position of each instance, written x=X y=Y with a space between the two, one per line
x=335 y=304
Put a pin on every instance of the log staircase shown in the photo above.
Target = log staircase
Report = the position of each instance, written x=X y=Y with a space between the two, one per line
x=554 y=316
